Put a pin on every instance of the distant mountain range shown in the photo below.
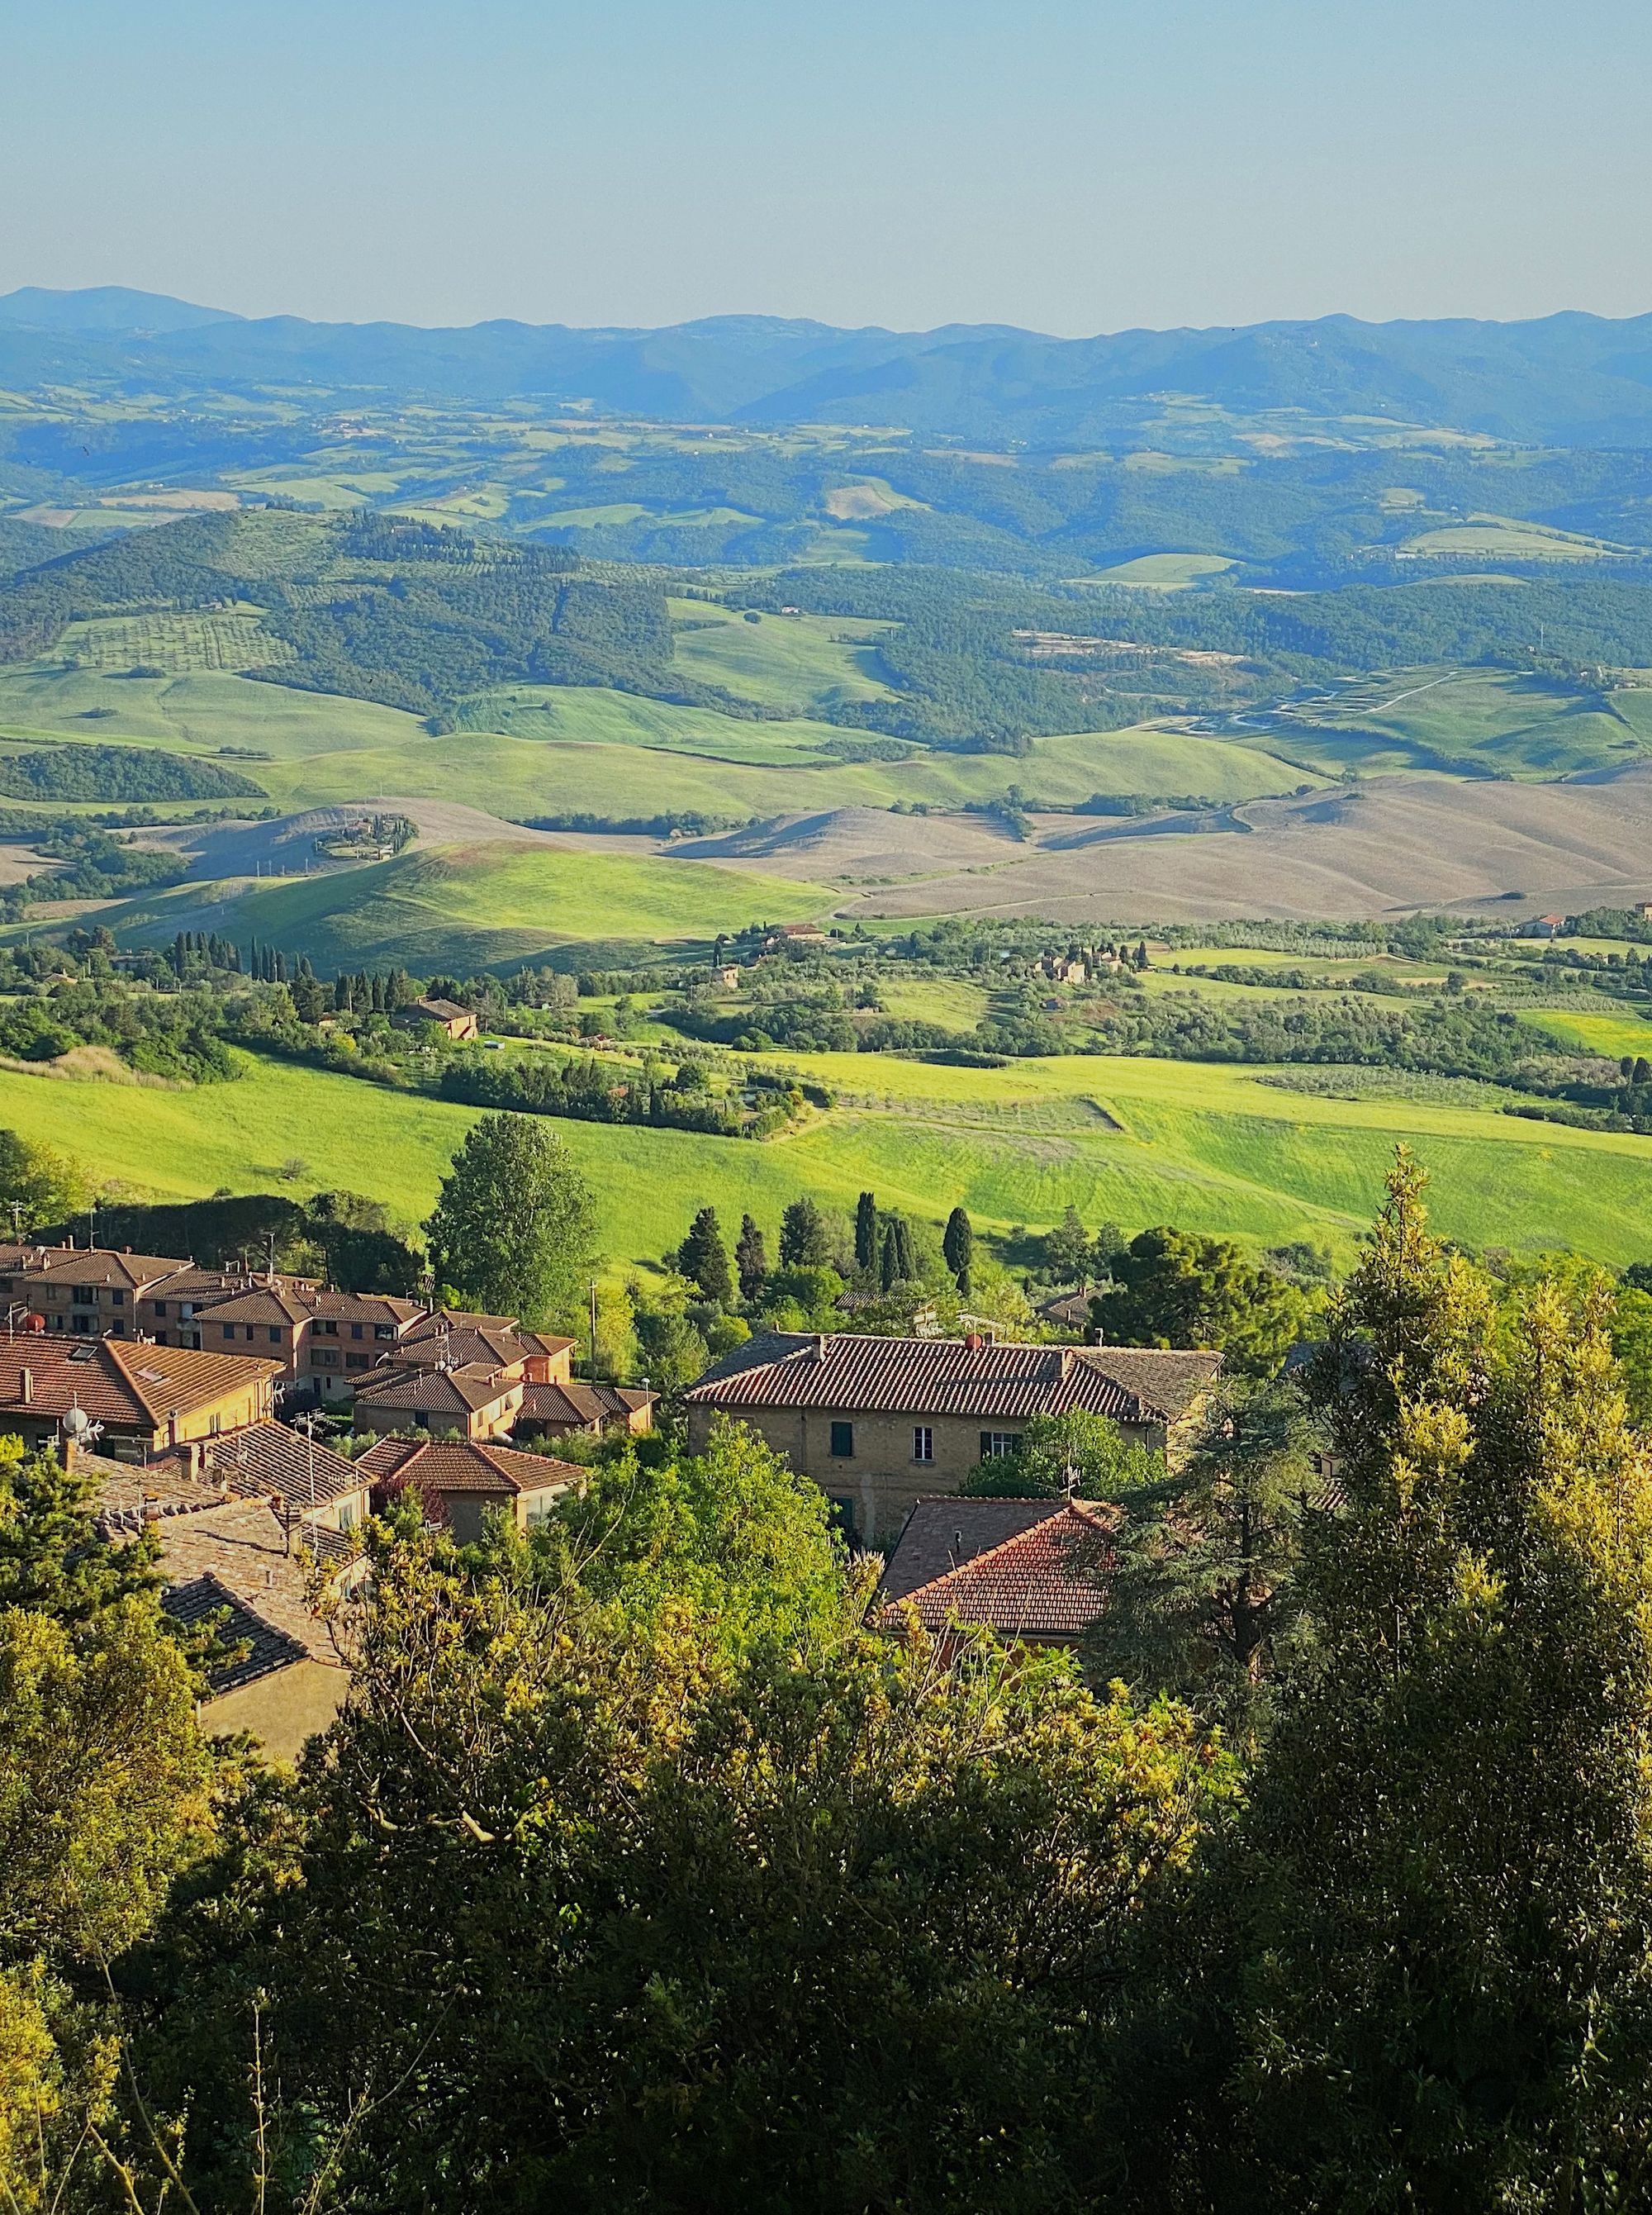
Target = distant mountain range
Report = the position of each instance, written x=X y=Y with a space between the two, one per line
x=1566 y=380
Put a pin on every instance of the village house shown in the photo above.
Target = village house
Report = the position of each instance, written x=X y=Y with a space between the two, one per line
x=458 y=1022
x=473 y=1399
x=90 y=1293
x=1032 y=1571
x=796 y=934
x=326 y=1341
x=552 y=1411
x=1542 y=926
x=142 y=1400
x=232 y=1555
x=461 y=1481
x=880 y=1423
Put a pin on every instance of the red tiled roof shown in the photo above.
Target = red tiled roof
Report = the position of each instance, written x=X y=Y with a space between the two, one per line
x=466 y=1465
x=947 y=1377
x=580 y=1404
x=124 y=1381
x=1042 y=1580
x=97 y=1264
x=940 y=1535
x=445 y=1391
x=470 y=1337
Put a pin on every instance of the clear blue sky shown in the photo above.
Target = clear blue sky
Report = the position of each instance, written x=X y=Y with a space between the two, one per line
x=1071 y=165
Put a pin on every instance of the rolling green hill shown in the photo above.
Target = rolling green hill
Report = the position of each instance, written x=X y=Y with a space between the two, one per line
x=530 y=750
x=1138 y=1142
x=466 y=907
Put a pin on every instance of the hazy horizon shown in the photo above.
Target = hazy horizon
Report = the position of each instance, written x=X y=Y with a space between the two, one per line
x=1068 y=169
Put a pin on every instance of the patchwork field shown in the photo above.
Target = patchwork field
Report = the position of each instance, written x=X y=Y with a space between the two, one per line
x=530 y=751
x=1136 y=1141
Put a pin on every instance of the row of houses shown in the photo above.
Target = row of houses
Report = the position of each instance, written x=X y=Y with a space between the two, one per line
x=398 y=1363
x=176 y=1387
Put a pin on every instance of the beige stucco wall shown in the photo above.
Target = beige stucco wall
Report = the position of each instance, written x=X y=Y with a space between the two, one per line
x=880 y=1478
x=282 y=1710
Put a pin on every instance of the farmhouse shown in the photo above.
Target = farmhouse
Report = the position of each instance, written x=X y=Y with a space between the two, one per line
x=1029 y=1570
x=459 y=1481
x=880 y=1423
x=458 y=1022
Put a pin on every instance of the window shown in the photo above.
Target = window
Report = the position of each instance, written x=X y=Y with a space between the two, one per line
x=355 y=1330
x=385 y=1330
x=842 y=1441
x=842 y=1515
x=159 y=1308
x=996 y=1445
x=228 y=1330
x=116 y=1298
x=160 y=1337
x=275 y=1333
x=923 y=1442
x=83 y=1322
x=346 y=1515
x=355 y=1361
x=85 y=1294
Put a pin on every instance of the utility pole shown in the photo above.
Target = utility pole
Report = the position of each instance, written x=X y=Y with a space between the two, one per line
x=593 y=1330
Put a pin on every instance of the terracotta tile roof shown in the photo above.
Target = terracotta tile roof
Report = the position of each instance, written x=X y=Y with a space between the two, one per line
x=439 y=1011
x=267 y=1457
x=267 y=1648
x=364 y=1307
x=436 y=1391
x=581 y=1406
x=477 y=1337
x=96 y=1265
x=941 y=1534
x=260 y=1304
x=466 y=1465
x=948 y=1377
x=1042 y=1580
x=123 y=1381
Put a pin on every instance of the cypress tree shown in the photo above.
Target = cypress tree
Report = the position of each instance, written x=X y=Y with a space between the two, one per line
x=957 y=1246
x=751 y=1258
x=865 y=1231
x=703 y=1257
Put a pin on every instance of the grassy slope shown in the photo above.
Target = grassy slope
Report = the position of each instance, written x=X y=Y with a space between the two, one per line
x=584 y=751
x=1210 y=1147
x=465 y=905
x=1514 y=724
x=782 y=661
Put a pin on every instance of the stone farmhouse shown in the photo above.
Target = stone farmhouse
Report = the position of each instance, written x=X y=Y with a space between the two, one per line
x=880 y=1423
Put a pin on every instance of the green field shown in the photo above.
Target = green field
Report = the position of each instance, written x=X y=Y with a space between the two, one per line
x=465 y=907
x=1136 y=1141
x=1609 y=1035
x=1167 y=572
x=1415 y=719
x=781 y=661
x=1515 y=541
x=566 y=748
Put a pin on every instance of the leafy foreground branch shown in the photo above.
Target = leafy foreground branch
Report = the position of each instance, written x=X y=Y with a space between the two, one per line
x=649 y=1868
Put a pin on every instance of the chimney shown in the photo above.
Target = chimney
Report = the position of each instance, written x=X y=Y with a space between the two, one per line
x=975 y=1341
x=25 y=1386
